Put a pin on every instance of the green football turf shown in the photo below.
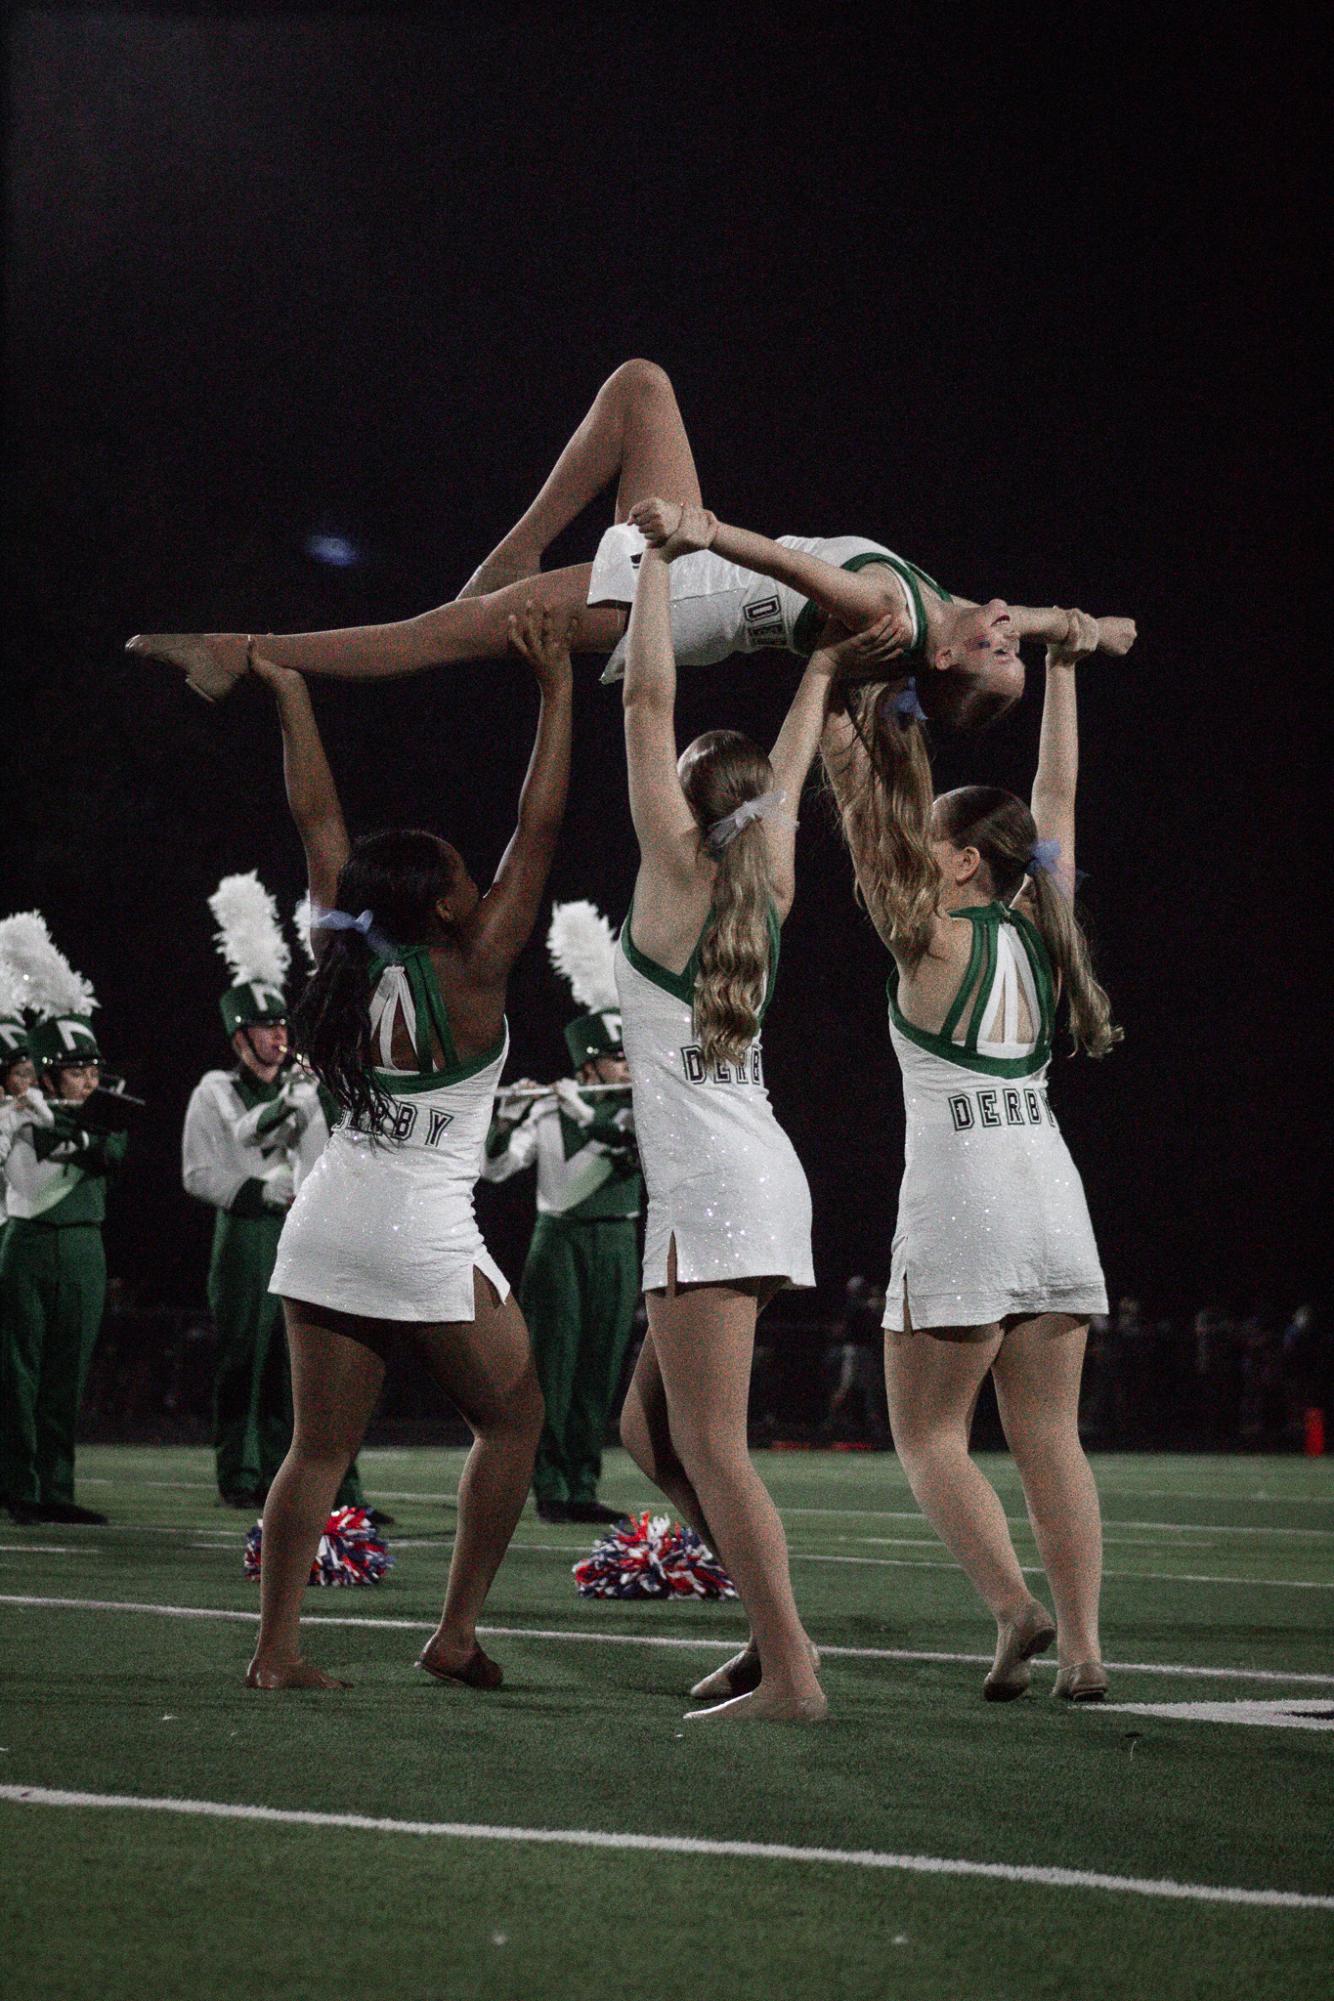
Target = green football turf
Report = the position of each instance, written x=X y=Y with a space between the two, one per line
x=1212 y=1563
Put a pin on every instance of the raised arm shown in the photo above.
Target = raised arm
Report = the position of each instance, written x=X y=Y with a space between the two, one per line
x=1050 y=623
x=855 y=598
x=799 y=739
x=312 y=796
x=507 y=913
x=847 y=766
x=664 y=824
x=1053 y=799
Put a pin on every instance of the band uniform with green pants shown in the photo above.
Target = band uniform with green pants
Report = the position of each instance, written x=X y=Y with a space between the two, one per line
x=52 y=1275
x=243 y=1141
x=581 y=1280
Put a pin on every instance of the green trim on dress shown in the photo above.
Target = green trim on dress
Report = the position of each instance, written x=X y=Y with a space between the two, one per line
x=682 y=985
x=809 y=619
x=429 y=1008
x=986 y=920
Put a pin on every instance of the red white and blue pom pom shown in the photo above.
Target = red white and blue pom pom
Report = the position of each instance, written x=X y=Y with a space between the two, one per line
x=350 y=1551
x=652 y=1556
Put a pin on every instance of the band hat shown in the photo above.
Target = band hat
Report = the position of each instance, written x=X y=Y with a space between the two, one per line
x=43 y=986
x=250 y=939
x=582 y=947
x=591 y=1035
x=15 y=1040
x=64 y=1041
x=252 y=1004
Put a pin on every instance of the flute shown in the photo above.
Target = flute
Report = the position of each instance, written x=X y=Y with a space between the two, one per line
x=532 y=1092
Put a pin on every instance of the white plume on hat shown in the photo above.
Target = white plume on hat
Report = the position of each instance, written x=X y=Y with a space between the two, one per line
x=249 y=935
x=11 y=994
x=583 y=949
x=302 y=918
x=42 y=977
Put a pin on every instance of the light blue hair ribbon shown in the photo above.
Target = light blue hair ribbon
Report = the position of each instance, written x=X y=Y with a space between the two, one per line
x=338 y=920
x=1044 y=858
x=904 y=705
x=365 y=925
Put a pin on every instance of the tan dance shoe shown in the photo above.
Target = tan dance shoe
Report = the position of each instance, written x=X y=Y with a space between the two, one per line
x=1017 y=1640
x=478 y=1671
x=762 y=1707
x=1085 y=1682
x=207 y=667
x=296 y=1674
x=737 y=1677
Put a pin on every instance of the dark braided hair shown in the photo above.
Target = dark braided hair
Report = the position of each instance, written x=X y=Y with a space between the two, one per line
x=399 y=877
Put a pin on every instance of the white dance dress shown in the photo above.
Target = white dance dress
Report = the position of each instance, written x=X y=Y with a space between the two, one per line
x=992 y=1217
x=719 y=608
x=384 y=1224
x=722 y=1176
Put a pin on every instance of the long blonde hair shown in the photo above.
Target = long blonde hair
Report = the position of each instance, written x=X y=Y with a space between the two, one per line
x=882 y=783
x=722 y=770
x=1004 y=832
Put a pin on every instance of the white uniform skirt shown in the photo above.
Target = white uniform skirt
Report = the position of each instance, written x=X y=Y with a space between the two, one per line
x=717 y=608
x=387 y=1231
x=723 y=1178
x=993 y=1222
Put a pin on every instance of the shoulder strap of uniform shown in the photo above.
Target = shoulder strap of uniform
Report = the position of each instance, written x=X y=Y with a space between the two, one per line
x=968 y=984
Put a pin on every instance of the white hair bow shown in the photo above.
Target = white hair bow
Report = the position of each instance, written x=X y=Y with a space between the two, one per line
x=767 y=806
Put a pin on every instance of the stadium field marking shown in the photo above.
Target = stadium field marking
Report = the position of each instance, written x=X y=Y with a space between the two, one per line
x=390 y=1624
x=1029 y=1569
x=224 y=1541
x=692 y=1845
x=36 y=1549
x=1316 y=1714
x=1120 y=1522
x=653 y=1504
x=1036 y=1570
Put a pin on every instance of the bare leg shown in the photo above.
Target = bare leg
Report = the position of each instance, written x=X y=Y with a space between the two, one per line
x=485 y=1367
x=1037 y=1386
x=477 y=629
x=933 y=1378
x=704 y=1338
x=647 y=1437
x=633 y=434
x=335 y=1382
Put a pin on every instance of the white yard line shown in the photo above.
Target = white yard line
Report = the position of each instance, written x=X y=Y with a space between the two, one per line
x=1119 y=1522
x=690 y=1845
x=573 y=1551
x=654 y=1501
x=1029 y=1569
x=1279 y=1715
x=609 y=1639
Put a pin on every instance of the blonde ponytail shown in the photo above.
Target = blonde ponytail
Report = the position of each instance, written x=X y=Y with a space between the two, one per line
x=734 y=953
x=723 y=770
x=1005 y=834
x=881 y=780
x=1091 y=1023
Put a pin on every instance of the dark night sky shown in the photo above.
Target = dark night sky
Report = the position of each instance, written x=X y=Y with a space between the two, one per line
x=1022 y=295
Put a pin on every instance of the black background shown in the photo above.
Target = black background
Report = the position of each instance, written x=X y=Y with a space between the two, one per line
x=1019 y=291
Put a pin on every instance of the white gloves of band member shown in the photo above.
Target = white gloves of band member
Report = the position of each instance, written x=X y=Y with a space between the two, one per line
x=30 y=1108
x=278 y=1185
x=302 y=1093
x=570 y=1102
